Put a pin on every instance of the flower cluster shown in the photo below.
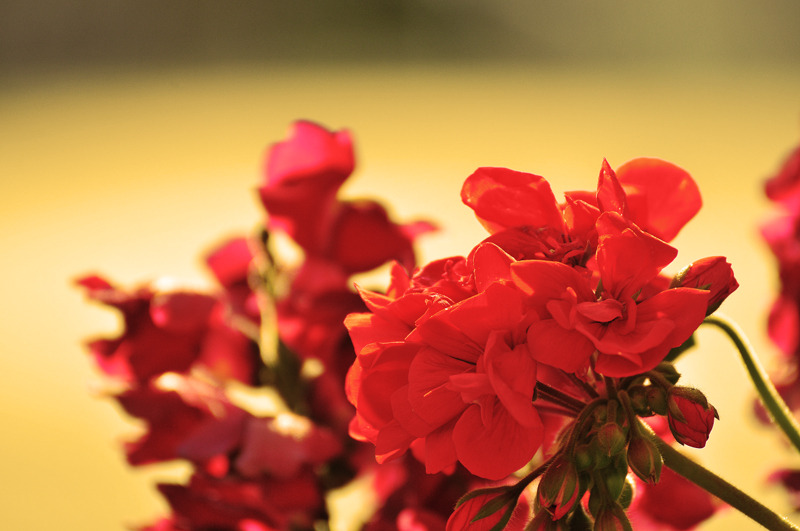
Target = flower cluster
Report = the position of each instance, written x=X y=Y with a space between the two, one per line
x=526 y=385
x=552 y=337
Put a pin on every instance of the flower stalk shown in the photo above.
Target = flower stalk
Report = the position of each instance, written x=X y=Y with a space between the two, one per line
x=704 y=478
x=766 y=390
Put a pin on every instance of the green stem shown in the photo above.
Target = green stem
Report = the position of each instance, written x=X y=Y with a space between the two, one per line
x=720 y=488
x=769 y=395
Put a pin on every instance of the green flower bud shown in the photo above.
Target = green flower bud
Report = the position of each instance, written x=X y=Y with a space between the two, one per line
x=669 y=372
x=543 y=521
x=638 y=396
x=614 y=478
x=645 y=459
x=611 y=438
x=628 y=490
x=560 y=487
x=583 y=457
x=612 y=518
x=657 y=400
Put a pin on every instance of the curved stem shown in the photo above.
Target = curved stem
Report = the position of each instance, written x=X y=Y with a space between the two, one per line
x=704 y=478
x=769 y=395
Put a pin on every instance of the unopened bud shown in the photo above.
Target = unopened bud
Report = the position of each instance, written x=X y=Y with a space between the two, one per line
x=615 y=477
x=668 y=371
x=612 y=518
x=628 y=491
x=638 y=396
x=543 y=521
x=560 y=488
x=583 y=457
x=611 y=438
x=645 y=459
x=657 y=400
x=690 y=416
x=490 y=506
x=713 y=274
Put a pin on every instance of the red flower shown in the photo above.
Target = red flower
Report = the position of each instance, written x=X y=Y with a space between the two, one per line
x=456 y=375
x=303 y=176
x=168 y=332
x=283 y=445
x=785 y=185
x=231 y=502
x=631 y=335
x=690 y=416
x=193 y=422
x=672 y=504
x=231 y=264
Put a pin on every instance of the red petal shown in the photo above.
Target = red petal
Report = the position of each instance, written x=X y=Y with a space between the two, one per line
x=498 y=449
x=503 y=198
x=610 y=196
x=662 y=197
x=627 y=257
x=550 y=343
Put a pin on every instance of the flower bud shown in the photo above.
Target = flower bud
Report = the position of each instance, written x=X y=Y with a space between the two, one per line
x=628 y=492
x=611 y=438
x=638 y=396
x=560 y=487
x=714 y=274
x=668 y=371
x=612 y=518
x=690 y=416
x=483 y=509
x=644 y=459
x=583 y=457
x=657 y=400
x=615 y=477
x=543 y=521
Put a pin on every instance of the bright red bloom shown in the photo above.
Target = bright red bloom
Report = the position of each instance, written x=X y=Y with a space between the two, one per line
x=383 y=357
x=456 y=375
x=631 y=335
x=690 y=416
x=654 y=194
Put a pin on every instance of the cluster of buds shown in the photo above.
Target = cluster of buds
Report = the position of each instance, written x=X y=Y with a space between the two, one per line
x=607 y=440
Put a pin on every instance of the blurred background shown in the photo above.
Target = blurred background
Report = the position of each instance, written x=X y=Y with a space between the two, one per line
x=132 y=134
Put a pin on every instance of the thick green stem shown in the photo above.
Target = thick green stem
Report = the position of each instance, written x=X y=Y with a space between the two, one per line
x=720 y=488
x=769 y=395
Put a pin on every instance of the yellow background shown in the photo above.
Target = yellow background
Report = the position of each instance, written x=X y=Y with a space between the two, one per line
x=134 y=172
